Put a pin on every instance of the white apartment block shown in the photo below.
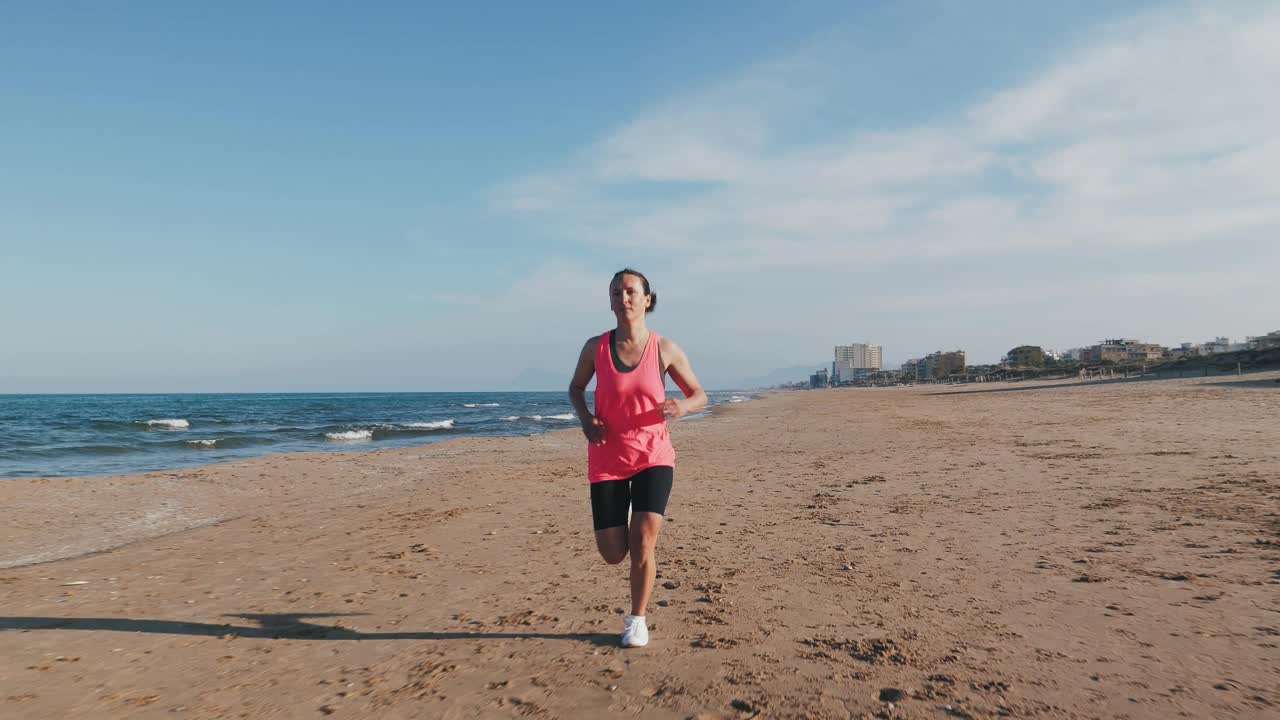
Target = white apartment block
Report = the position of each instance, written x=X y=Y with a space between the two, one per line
x=855 y=361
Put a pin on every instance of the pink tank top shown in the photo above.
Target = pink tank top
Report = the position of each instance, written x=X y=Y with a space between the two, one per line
x=630 y=404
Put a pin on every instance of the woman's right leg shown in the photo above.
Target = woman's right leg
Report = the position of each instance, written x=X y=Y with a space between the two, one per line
x=612 y=543
x=610 y=502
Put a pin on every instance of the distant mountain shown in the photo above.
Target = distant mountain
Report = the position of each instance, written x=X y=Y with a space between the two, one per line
x=531 y=379
x=780 y=376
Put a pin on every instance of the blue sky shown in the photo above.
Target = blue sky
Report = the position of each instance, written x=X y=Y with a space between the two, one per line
x=252 y=197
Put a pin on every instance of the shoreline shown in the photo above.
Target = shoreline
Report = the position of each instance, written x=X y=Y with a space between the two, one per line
x=227 y=481
x=1067 y=552
x=128 y=438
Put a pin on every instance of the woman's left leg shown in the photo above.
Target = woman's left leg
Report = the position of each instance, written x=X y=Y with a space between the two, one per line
x=644 y=530
x=650 y=490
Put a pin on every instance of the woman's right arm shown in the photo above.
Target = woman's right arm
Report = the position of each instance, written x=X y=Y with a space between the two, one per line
x=592 y=426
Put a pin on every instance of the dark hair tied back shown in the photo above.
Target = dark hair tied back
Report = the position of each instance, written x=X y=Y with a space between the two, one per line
x=653 y=296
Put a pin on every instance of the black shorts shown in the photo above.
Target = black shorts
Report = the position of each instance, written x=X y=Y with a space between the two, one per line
x=646 y=491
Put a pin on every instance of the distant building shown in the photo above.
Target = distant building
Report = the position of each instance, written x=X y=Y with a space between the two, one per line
x=911 y=369
x=854 y=362
x=883 y=376
x=819 y=379
x=940 y=365
x=858 y=355
x=934 y=366
x=852 y=374
x=1270 y=341
x=1123 y=350
x=1219 y=345
x=1025 y=356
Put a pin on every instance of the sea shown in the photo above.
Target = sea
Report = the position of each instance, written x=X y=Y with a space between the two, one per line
x=82 y=435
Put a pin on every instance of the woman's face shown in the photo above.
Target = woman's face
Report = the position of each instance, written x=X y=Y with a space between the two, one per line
x=627 y=298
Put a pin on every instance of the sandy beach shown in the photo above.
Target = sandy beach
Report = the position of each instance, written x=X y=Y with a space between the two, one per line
x=1047 y=549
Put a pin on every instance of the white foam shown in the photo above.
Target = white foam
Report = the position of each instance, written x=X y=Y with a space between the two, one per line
x=351 y=435
x=437 y=425
x=475 y=405
x=737 y=398
x=565 y=416
x=511 y=418
x=203 y=443
x=174 y=423
x=539 y=418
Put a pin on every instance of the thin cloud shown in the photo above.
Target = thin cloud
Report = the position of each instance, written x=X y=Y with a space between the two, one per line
x=1157 y=134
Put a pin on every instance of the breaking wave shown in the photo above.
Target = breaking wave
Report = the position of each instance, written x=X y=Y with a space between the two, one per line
x=350 y=435
x=437 y=425
x=171 y=423
x=540 y=418
x=226 y=443
x=380 y=431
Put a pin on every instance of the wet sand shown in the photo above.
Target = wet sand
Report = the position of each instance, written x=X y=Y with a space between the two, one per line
x=1023 y=550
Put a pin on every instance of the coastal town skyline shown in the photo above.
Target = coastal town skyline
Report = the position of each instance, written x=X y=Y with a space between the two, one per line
x=863 y=362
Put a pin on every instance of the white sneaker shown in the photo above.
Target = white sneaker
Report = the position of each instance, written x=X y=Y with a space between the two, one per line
x=634 y=632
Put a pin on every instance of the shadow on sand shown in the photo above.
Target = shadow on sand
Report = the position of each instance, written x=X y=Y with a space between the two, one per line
x=1261 y=383
x=1273 y=384
x=278 y=626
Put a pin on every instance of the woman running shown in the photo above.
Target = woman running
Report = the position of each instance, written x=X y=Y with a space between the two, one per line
x=630 y=460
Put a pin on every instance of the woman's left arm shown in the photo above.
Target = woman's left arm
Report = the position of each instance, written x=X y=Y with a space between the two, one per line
x=678 y=367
